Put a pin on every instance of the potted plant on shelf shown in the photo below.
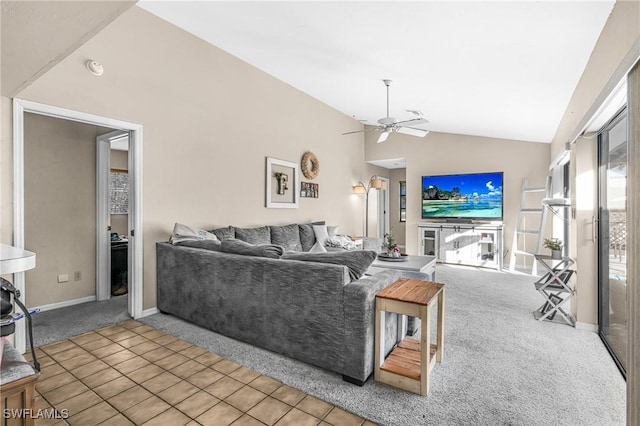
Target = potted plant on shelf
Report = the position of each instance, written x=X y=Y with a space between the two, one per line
x=555 y=245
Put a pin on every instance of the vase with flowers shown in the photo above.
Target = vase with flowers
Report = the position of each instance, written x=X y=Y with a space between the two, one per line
x=390 y=245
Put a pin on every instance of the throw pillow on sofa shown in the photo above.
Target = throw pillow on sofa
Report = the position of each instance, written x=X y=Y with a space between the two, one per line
x=182 y=232
x=356 y=261
x=261 y=235
x=287 y=236
x=224 y=233
x=248 y=249
x=307 y=236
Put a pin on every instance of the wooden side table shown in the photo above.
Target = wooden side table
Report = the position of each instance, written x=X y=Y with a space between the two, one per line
x=409 y=364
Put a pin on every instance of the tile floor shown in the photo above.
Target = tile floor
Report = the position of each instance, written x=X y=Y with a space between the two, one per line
x=131 y=373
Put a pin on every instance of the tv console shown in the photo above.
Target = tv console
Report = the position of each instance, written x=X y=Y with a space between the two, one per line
x=473 y=244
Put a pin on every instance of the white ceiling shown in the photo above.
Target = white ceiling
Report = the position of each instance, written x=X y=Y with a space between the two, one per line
x=504 y=69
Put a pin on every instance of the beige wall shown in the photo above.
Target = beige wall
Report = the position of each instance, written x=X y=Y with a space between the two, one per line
x=119 y=222
x=617 y=46
x=60 y=208
x=6 y=172
x=397 y=228
x=441 y=153
x=209 y=122
x=585 y=200
x=619 y=39
x=31 y=45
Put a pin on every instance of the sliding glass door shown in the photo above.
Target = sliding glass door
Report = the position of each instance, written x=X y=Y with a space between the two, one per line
x=612 y=232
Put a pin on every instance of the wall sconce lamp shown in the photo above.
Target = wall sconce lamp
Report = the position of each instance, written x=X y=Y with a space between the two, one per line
x=374 y=183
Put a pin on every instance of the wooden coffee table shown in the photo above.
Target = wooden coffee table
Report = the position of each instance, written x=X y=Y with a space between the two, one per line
x=408 y=366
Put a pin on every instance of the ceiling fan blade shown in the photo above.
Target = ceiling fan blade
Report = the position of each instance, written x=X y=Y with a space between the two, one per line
x=365 y=130
x=384 y=135
x=412 y=122
x=412 y=131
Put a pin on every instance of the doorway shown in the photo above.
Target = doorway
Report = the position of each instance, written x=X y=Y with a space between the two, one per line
x=612 y=237
x=20 y=108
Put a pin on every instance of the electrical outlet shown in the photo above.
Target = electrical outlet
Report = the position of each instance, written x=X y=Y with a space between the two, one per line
x=77 y=276
x=63 y=278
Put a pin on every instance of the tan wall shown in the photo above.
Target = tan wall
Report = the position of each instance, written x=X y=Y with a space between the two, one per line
x=618 y=42
x=585 y=249
x=441 y=153
x=619 y=37
x=398 y=228
x=6 y=172
x=209 y=122
x=60 y=208
x=119 y=222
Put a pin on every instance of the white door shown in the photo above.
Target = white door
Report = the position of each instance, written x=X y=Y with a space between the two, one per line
x=103 y=249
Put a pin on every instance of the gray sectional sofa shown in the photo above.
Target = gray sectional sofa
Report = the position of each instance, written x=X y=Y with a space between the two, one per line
x=309 y=310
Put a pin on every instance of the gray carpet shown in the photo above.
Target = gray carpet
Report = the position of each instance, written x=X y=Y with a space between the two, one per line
x=59 y=324
x=500 y=367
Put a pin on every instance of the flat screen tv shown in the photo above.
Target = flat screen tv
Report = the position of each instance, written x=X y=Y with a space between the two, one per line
x=476 y=196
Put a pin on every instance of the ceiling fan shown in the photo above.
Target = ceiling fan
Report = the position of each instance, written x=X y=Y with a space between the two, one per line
x=388 y=124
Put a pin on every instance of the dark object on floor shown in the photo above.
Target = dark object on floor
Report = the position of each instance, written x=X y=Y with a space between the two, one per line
x=119 y=257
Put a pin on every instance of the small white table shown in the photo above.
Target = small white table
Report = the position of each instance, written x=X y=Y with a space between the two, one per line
x=424 y=264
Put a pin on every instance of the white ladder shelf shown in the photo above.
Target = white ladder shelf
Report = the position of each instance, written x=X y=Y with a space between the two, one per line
x=518 y=247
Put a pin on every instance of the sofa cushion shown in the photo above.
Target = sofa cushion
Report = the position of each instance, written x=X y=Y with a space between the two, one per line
x=287 y=236
x=248 y=249
x=307 y=236
x=182 y=232
x=224 y=233
x=356 y=261
x=213 y=245
x=261 y=235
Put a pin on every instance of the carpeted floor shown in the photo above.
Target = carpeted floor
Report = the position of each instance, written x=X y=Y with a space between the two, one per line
x=500 y=365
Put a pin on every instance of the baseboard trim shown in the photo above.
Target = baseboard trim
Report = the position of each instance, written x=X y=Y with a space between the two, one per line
x=148 y=312
x=587 y=327
x=66 y=303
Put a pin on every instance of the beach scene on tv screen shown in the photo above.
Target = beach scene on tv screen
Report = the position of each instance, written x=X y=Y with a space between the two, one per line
x=462 y=196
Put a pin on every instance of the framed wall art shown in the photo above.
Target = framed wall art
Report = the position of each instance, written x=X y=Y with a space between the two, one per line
x=282 y=184
x=309 y=190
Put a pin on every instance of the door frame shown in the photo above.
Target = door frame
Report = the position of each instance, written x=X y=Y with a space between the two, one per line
x=383 y=209
x=103 y=246
x=20 y=107
x=603 y=237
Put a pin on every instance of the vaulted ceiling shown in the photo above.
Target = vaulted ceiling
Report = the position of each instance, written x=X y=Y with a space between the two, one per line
x=504 y=69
